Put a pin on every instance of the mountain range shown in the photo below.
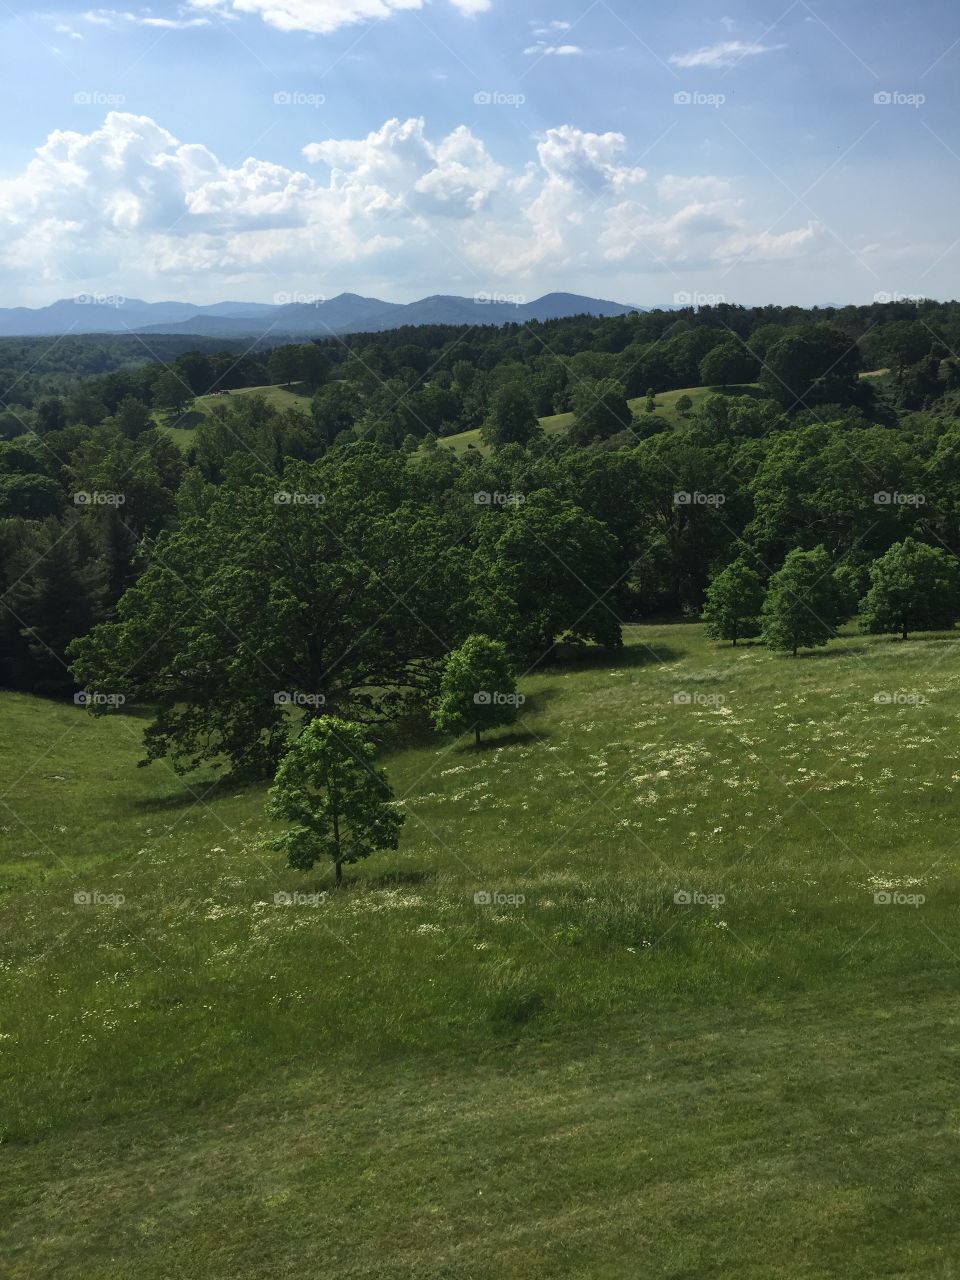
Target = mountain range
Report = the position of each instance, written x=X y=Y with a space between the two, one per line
x=347 y=313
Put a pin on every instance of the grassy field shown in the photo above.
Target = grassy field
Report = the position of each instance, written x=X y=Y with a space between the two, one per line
x=584 y=1077
x=181 y=429
x=561 y=422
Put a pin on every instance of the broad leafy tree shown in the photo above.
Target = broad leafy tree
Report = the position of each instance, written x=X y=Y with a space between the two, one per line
x=477 y=689
x=803 y=607
x=913 y=587
x=340 y=802
x=733 y=603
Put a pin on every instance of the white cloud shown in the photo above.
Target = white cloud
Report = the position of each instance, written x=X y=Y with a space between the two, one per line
x=321 y=17
x=554 y=50
x=117 y=17
x=130 y=207
x=725 y=54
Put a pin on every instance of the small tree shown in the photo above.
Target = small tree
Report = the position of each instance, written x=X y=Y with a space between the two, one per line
x=477 y=690
x=684 y=406
x=803 y=605
x=339 y=800
x=651 y=401
x=733 y=604
x=914 y=587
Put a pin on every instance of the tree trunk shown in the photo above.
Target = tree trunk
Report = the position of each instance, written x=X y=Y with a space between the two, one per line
x=336 y=840
x=477 y=732
x=904 y=634
x=339 y=874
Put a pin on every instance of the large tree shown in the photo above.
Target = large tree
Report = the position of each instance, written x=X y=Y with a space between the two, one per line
x=327 y=583
x=544 y=570
x=340 y=802
x=913 y=587
x=803 y=607
x=512 y=418
x=809 y=365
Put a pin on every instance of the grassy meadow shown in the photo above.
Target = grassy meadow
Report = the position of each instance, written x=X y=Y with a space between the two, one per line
x=624 y=1002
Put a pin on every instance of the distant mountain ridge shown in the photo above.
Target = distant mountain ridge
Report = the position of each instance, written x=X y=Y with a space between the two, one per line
x=347 y=313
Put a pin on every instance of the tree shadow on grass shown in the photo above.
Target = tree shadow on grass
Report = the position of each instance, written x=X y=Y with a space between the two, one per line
x=401 y=879
x=844 y=651
x=630 y=656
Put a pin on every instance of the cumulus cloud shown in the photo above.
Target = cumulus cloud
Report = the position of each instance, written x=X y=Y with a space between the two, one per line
x=320 y=17
x=725 y=54
x=130 y=206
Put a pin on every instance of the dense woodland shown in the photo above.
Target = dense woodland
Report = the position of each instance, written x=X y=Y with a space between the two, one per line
x=340 y=552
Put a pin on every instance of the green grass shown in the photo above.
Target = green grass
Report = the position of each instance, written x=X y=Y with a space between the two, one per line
x=596 y=1083
x=559 y=423
x=181 y=429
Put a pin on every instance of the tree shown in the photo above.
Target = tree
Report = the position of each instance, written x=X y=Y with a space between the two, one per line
x=477 y=690
x=170 y=392
x=683 y=406
x=327 y=581
x=914 y=587
x=811 y=364
x=512 y=418
x=728 y=364
x=733 y=603
x=600 y=411
x=284 y=364
x=803 y=605
x=544 y=570
x=341 y=803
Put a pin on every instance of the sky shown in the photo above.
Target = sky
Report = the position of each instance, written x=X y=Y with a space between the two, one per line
x=277 y=150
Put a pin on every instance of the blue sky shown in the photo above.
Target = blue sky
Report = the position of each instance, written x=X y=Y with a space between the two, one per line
x=255 y=149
